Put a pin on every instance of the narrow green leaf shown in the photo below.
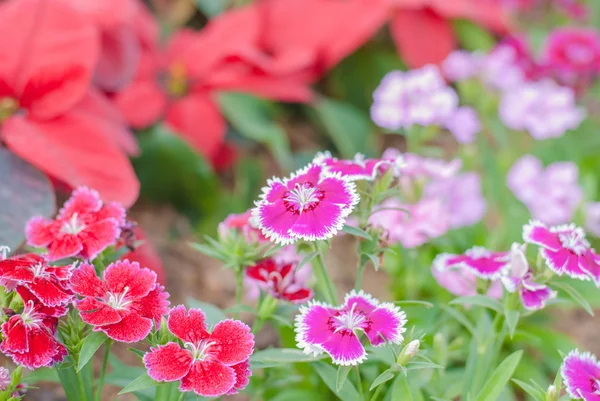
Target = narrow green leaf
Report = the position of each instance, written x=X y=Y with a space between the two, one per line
x=357 y=232
x=208 y=251
x=89 y=348
x=306 y=259
x=479 y=300
x=576 y=296
x=426 y=304
x=512 y=320
x=141 y=383
x=329 y=376
x=349 y=128
x=401 y=389
x=462 y=319
x=283 y=321
x=369 y=256
x=282 y=356
x=500 y=378
x=213 y=314
x=382 y=378
x=342 y=375
x=272 y=250
x=529 y=389
x=138 y=352
x=252 y=118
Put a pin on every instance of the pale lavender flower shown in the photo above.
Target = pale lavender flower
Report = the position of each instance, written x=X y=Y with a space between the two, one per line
x=552 y=194
x=419 y=96
x=462 y=196
x=592 y=217
x=4 y=378
x=500 y=69
x=461 y=65
x=463 y=124
x=543 y=108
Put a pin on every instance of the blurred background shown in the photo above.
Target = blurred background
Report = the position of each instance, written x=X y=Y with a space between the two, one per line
x=180 y=109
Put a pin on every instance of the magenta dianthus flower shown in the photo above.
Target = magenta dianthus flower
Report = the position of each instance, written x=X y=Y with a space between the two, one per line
x=565 y=250
x=310 y=205
x=581 y=375
x=322 y=328
x=359 y=168
x=519 y=278
x=478 y=260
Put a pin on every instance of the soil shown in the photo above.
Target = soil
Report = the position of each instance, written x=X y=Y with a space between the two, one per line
x=191 y=274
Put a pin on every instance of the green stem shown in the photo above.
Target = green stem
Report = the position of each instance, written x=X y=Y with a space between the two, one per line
x=323 y=278
x=162 y=392
x=107 y=346
x=239 y=288
x=359 y=383
x=376 y=393
x=359 y=274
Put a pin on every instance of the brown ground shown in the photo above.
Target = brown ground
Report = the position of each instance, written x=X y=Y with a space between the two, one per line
x=191 y=274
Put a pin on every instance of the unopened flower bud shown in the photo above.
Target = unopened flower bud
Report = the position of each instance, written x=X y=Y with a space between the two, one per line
x=552 y=394
x=408 y=352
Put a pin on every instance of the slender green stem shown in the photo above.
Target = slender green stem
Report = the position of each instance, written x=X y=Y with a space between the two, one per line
x=359 y=383
x=239 y=288
x=323 y=278
x=162 y=392
x=376 y=393
x=359 y=274
x=103 y=371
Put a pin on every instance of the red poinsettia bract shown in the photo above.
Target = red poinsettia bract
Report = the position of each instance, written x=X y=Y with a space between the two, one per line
x=122 y=37
x=210 y=364
x=179 y=82
x=84 y=227
x=47 y=283
x=49 y=114
x=125 y=304
x=29 y=338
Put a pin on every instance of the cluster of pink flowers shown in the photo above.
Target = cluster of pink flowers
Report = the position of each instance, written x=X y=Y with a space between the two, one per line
x=531 y=98
x=564 y=249
x=552 y=195
x=422 y=97
x=435 y=199
x=314 y=202
x=322 y=328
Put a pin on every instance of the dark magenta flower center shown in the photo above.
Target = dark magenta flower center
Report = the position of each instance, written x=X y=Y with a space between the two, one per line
x=303 y=198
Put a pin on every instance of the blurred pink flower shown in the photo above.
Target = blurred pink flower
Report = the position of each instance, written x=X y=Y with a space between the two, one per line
x=412 y=225
x=419 y=96
x=419 y=167
x=573 y=54
x=463 y=124
x=462 y=282
x=592 y=217
x=543 y=108
x=552 y=194
x=500 y=70
x=462 y=197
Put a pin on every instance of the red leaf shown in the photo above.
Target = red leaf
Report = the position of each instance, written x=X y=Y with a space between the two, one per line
x=145 y=92
x=422 y=37
x=197 y=119
x=119 y=58
x=47 y=54
x=73 y=149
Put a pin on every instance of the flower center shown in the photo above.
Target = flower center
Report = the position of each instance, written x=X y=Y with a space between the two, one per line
x=39 y=270
x=30 y=317
x=595 y=385
x=351 y=320
x=304 y=197
x=574 y=240
x=4 y=251
x=201 y=351
x=72 y=226
x=119 y=301
x=177 y=82
x=8 y=107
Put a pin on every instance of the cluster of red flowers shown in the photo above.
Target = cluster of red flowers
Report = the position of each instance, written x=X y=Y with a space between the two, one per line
x=125 y=302
x=75 y=75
